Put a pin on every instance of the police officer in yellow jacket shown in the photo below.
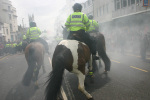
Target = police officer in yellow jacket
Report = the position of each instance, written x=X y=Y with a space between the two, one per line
x=94 y=27
x=33 y=35
x=24 y=37
x=78 y=23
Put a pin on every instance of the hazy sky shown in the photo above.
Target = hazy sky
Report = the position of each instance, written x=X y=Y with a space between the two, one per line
x=45 y=11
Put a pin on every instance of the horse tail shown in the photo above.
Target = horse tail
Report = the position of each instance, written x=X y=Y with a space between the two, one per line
x=31 y=64
x=55 y=78
x=102 y=52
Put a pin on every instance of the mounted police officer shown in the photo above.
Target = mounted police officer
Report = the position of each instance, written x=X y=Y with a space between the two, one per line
x=94 y=27
x=78 y=23
x=33 y=35
x=24 y=37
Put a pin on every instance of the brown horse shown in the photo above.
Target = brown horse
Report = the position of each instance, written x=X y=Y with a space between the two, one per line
x=73 y=56
x=101 y=49
x=34 y=54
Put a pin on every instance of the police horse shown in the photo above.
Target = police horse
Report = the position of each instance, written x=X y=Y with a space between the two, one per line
x=71 y=55
x=100 y=48
x=34 y=54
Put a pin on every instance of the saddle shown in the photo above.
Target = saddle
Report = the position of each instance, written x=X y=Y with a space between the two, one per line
x=75 y=36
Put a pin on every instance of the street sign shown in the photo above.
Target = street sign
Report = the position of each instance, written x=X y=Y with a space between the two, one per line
x=146 y=3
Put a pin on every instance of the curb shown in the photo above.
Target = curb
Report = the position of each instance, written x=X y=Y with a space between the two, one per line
x=1 y=57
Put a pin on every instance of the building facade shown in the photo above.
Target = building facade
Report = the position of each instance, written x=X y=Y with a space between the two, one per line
x=64 y=13
x=114 y=13
x=110 y=13
x=8 y=21
x=87 y=7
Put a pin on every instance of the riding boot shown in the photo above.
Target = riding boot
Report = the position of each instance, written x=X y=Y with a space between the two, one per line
x=92 y=45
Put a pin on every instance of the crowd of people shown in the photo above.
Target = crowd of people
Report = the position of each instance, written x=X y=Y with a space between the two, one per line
x=10 y=48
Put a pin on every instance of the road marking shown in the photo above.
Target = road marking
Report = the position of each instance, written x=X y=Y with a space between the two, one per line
x=3 y=58
x=133 y=55
x=139 y=69
x=115 y=61
x=62 y=90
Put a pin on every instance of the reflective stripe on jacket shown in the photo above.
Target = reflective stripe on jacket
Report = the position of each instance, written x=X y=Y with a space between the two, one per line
x=33 y=33
x=24 y=37
x=93 y=25
x=7 y=45
x=14 y=45
x=77 y=21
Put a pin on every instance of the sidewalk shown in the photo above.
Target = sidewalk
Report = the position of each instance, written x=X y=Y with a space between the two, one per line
x=4 y=56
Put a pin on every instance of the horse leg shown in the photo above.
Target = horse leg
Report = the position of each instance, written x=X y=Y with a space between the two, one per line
x=42 y=63
x=90 y=63
x=91 y=69
x=81 y=87
x=36 y=76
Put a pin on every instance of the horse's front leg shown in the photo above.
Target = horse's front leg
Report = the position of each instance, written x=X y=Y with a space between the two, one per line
x=90 y=74
x=81 y=78
x=90 y=63
x=36 y=73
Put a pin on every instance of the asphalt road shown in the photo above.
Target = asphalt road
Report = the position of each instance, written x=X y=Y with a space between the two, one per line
x=129 y=79
x=12 y=69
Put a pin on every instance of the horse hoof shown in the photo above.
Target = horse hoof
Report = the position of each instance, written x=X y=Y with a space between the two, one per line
x=105 y=72
x=91 y=99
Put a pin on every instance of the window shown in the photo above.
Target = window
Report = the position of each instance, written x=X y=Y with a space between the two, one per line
x=100 y=11
x=16 y=37
x=8 y=8
x=97 y=12
x=107 y=8
x=84 y=5
x=132 y=1
x=137 y=1
x=0 y=39
x=88 y=2
x=10 y=16
x=11 y=27
x=123 y=3
x=117 y=4
x=7 y=31
x=129 y=2
x=103 y=9
x=12 y=38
